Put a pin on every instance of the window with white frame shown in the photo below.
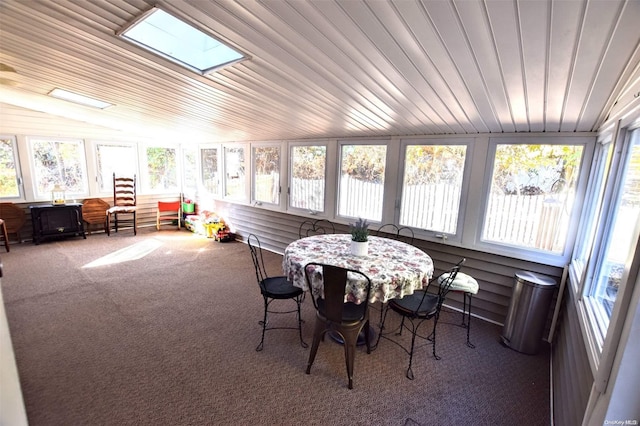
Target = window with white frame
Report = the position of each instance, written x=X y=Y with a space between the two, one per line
x=189 y=170
x=616 y=233
x=209 y=165
x=118 y=158
x=9 y=168
x=266 y=174
x=235 y=178
x=531 y=195
x=161 y=171
x=58 y=162
x=307 y=176
x=432 y=186
x=361 y=185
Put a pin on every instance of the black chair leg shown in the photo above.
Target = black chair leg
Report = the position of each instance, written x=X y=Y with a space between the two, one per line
x=264 y=326
x=468 y=325
x=300 y=321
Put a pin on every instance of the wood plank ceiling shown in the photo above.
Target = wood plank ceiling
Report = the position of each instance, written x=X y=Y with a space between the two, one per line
x=324 y=68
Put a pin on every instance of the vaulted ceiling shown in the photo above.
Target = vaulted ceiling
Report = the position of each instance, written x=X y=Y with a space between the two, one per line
x=326 y=68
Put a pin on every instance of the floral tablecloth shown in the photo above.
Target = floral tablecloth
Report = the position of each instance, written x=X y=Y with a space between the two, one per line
x=395 y=268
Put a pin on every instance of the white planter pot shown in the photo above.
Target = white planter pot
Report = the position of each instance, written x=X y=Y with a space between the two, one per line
x=359 y=248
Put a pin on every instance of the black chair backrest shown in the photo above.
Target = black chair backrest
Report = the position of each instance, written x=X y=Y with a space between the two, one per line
x=335 y=280
x=316 y=227
x=256 y=255
x=400 y=233
x=445 y=285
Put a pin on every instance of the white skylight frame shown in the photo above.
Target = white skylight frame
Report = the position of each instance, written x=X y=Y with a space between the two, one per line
x=168 y=36
x=78 y=98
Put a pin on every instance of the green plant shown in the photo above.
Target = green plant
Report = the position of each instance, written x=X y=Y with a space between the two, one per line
x=360 y=230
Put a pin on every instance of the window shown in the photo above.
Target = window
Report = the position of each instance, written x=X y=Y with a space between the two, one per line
x=58 y=162
x=210 y=175
x=235 y=177
x=531 y=195
x=9 y=171
x=189 y=170
x=168 y=36
x=361 y=186
x=619 y=237
x=266 y=174
x=432 y=187
x=308 y=177
x=161 y=173
x=120 y=159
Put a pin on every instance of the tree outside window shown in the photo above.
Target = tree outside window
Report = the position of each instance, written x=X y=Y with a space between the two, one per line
x=531 y=197
x=362 y=174
x=59 y=162
x=308 y=169
x=9 y=187
x=266 y=175
x=162 y=173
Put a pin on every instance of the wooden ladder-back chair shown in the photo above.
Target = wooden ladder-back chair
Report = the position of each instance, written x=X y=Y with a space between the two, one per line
x=168 y=210
x=124 y=202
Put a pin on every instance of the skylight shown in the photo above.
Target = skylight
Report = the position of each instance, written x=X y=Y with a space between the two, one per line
x=79 y=99
x=168 y=36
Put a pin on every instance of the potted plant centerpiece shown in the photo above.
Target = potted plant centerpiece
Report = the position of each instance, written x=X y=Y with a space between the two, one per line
x=360 y=237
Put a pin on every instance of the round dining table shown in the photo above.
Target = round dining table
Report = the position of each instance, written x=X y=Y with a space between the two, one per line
x=395 y=268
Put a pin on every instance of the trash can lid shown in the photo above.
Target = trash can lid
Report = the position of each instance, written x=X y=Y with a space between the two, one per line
x=536 y=279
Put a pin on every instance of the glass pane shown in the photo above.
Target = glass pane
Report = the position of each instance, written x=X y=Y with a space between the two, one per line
x=59 y=162
x=432 y=186
x=621 y=240
x=531 y=196
x=235 y=176
x=118 y=159
x=267 y=174
x=8 y=170
x=162 y=173
x=189 y=170
x=308 y=165
x=362 y=181
x=210 y=179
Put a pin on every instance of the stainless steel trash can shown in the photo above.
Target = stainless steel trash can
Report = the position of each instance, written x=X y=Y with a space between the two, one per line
x=528 y=311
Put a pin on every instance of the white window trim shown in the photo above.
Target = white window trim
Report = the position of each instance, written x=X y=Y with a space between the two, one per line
x=282 y=198
x=246 y=197
x=142 y=175
x=389 y=199
x=329 y=176
x=480 y=205
x=601 y=354
x=20 y=180
x=93 y=167
x=426 y=234
x=32 y=168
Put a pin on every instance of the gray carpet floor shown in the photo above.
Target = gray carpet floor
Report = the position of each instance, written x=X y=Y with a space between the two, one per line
x=161 y=329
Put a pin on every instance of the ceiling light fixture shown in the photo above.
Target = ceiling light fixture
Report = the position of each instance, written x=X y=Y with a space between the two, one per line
x=79 y=99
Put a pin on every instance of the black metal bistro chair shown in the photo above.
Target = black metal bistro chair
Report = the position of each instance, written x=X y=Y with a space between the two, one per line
x=400 y=233
x=417 y=308
x=333 y=315
x=316 y=227
x=272 y=289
